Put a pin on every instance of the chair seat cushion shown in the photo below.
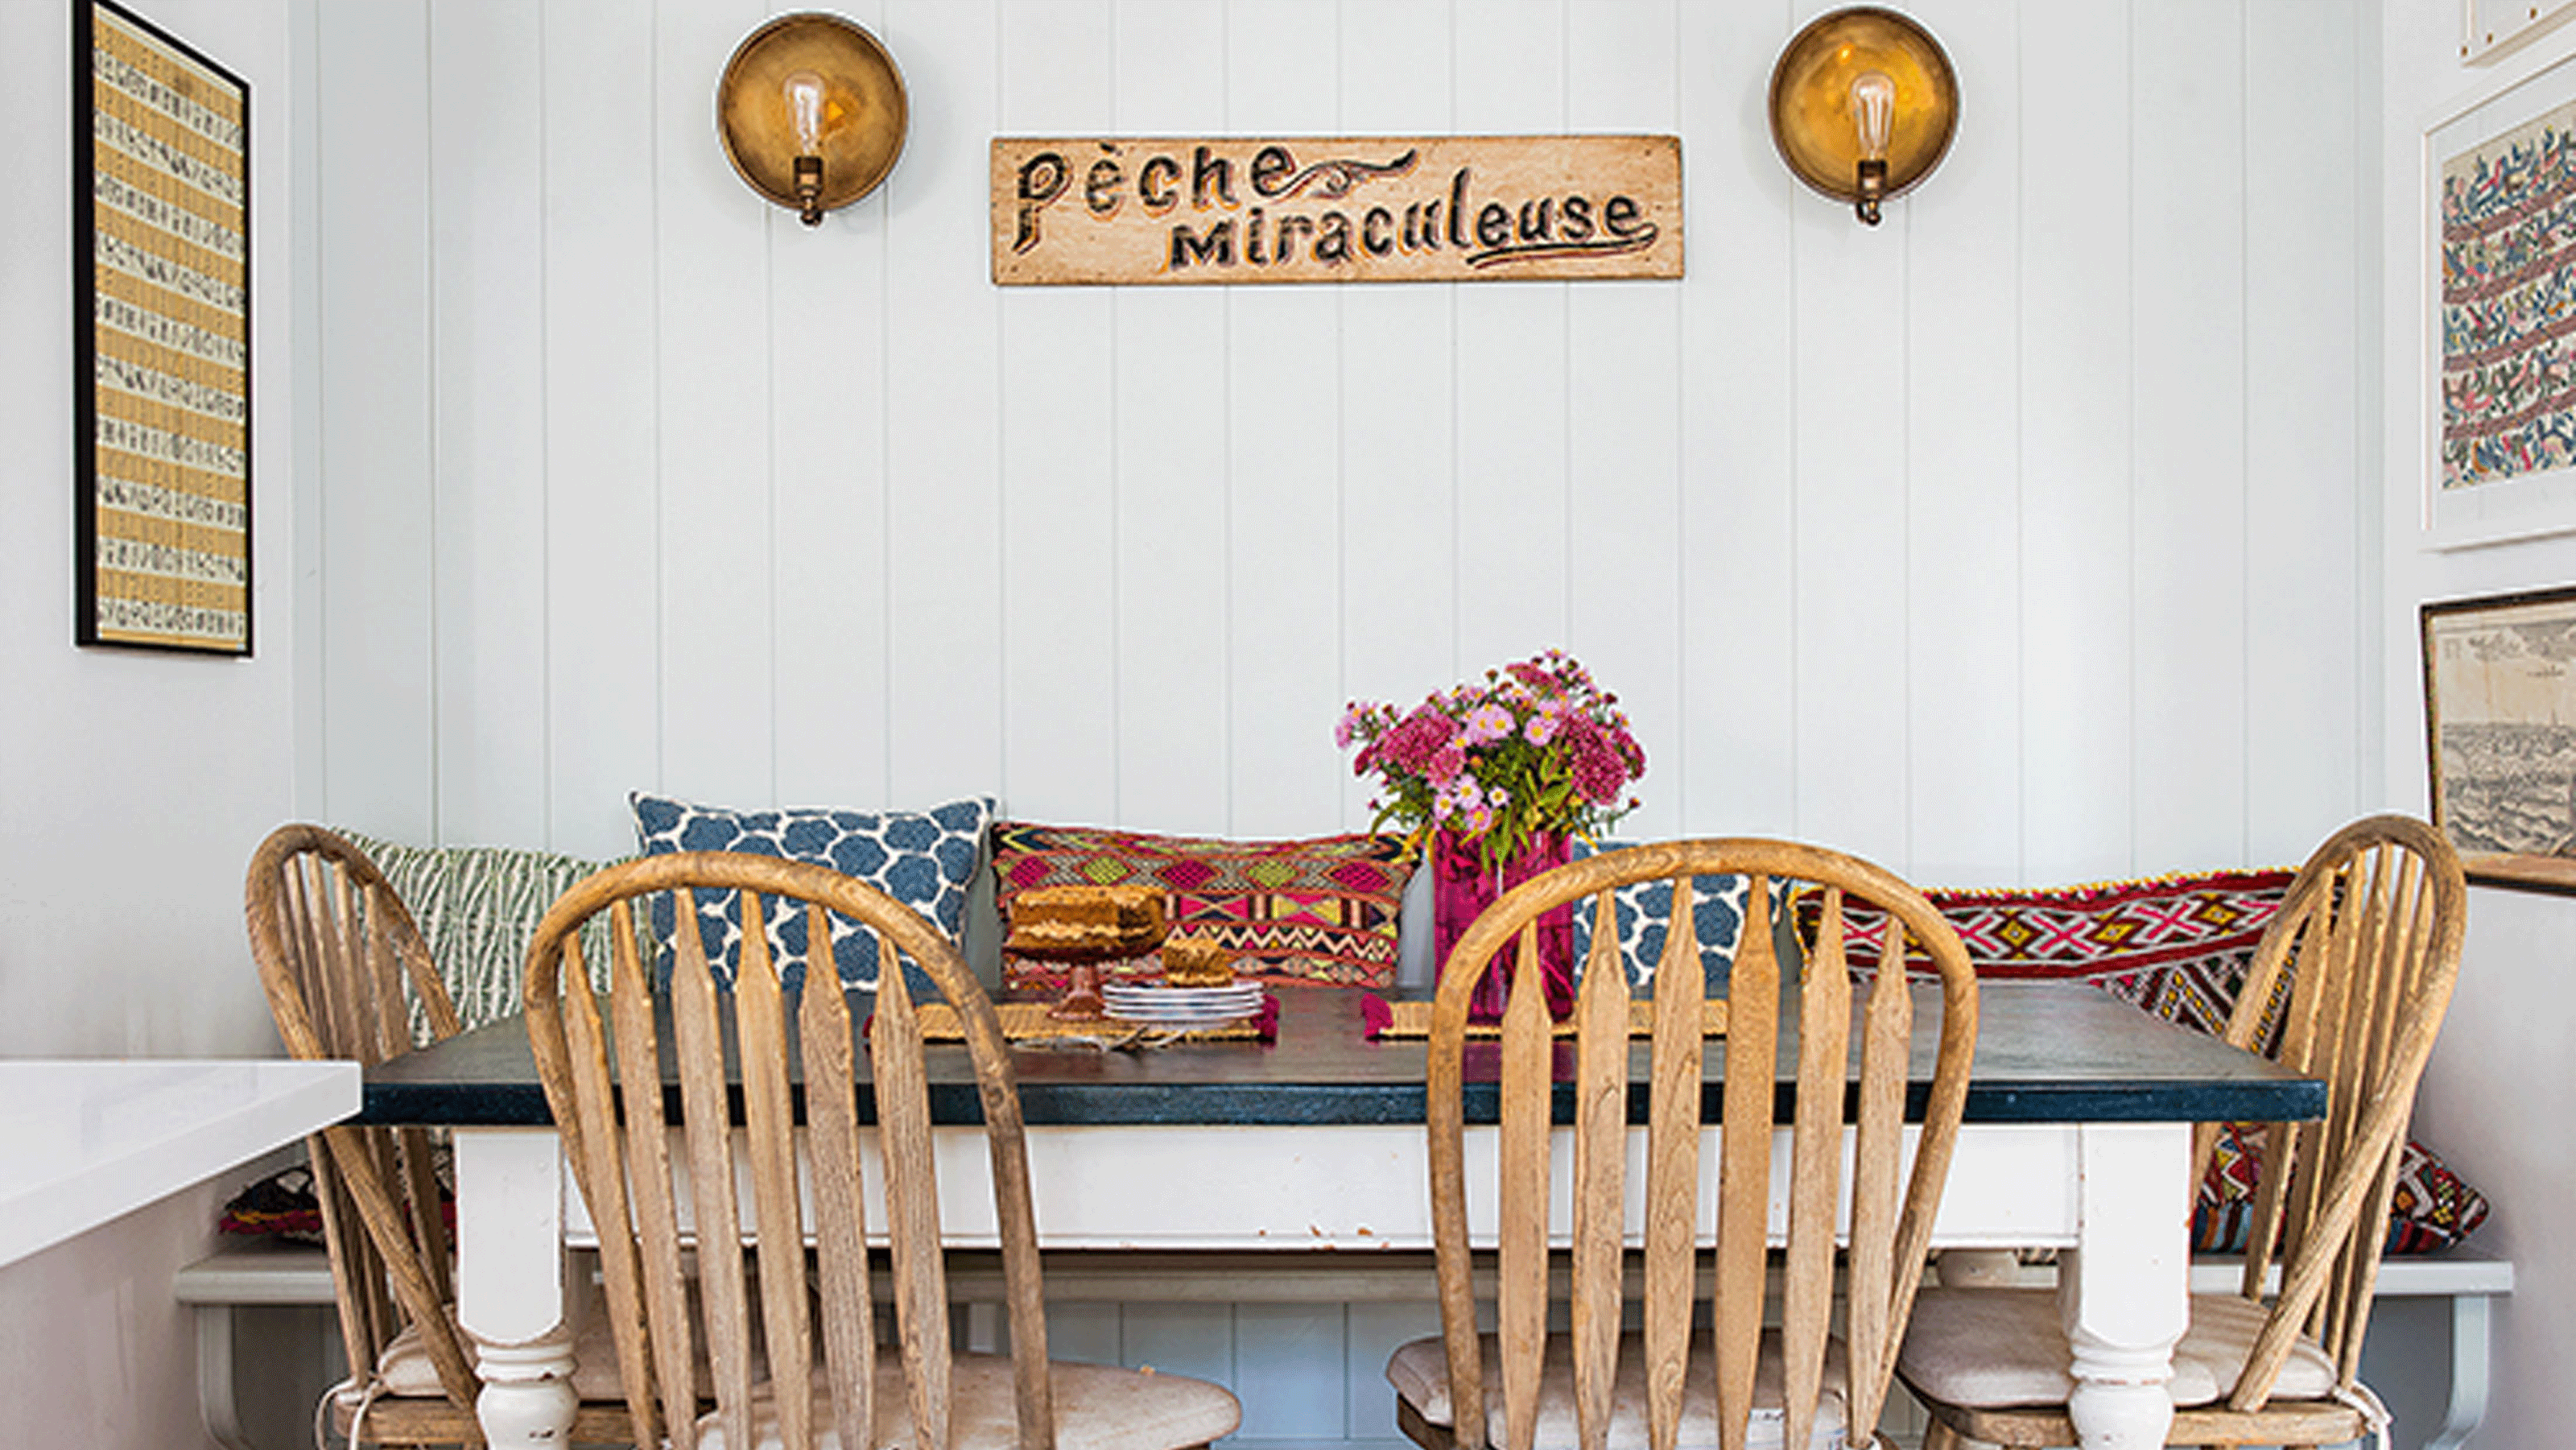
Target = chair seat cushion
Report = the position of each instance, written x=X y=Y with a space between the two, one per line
x=404 y=1369
x=1992 y=1348
x=1420 y=1373
x=1097 y=1407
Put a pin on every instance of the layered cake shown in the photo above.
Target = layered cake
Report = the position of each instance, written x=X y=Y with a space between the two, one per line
x=1086 y=920
x=1197 y=961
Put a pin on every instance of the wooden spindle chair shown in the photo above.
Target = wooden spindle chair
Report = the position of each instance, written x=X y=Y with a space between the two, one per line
x=642 y=1146
x=1739 y=1383
x=2368 y=936
x=344 y=966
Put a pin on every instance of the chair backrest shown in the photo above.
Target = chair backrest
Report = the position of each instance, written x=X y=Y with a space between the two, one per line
x=1890 y=1213
x=2368 y=940
x=343 y=966
x=622 y=1123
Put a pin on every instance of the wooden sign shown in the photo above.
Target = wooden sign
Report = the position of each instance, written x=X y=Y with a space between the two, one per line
x=1335 y=209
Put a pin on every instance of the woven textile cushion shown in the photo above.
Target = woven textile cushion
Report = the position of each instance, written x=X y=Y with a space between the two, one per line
x=476 y=907
x=1320 y=910
x=1645 y=909
x=924 y=859
x=2179 y=947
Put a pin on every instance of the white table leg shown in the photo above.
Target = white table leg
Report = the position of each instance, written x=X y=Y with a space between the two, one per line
x=2126 y=1293
x=510 y=1272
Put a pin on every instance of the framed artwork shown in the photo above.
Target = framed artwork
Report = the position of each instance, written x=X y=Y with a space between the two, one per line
x=2500 y=274
x=2500 y=727
x=160 y=339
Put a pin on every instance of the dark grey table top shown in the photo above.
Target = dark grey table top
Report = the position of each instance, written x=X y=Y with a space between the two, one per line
x=2046 y=1052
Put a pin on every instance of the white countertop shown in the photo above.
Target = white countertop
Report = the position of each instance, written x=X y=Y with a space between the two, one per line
x=82 y=1142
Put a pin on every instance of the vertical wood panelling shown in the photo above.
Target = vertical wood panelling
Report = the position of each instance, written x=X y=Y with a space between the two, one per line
x=1623 y=429
x=941 y=450
x=378 y=452
x=2074 y=366
x=1058 y=456
x=1738 y=524
x=829 y=365
x=1190 y=1339
x=1171 y=551
x=1848 y=357
x=1398 y=462
x=713 y=372
x=602 y=428
x=2014 y=537
x=487 y=259
x=2306 y=489
x=1283 y=441
x=2188 y=631
x=1288 y=1371
x=1963 y=505
x=1511 y=367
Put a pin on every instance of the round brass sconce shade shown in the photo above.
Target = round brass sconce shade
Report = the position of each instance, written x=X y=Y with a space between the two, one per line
x=1820 y=94
x=804 y=89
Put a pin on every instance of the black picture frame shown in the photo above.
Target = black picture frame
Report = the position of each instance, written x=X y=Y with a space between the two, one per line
x=161 y=198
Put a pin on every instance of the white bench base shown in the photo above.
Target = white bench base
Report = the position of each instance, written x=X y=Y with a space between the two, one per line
x=293 y=1275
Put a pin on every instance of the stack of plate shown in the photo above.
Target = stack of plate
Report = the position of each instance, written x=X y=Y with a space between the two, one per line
x=1181 y=1009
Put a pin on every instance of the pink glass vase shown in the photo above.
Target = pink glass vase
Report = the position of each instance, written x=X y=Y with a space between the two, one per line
x=1461 y=888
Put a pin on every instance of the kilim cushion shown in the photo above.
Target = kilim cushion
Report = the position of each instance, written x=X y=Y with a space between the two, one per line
x=924 y=859
x=2179 y=947
x=1321 y=910
x=1643 y=911
x=476 y=907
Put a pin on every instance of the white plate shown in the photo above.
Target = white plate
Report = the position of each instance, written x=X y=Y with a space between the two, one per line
x=1245 y=997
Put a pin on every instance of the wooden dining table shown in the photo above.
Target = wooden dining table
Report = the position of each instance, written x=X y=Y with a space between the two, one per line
x=2077 y=1136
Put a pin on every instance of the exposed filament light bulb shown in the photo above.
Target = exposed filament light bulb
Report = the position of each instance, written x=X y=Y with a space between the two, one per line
x=804 y=92
x=1873 y=105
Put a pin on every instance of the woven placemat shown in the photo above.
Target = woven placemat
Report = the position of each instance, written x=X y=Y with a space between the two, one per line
x=1028 y=1022
x=1407 y=1020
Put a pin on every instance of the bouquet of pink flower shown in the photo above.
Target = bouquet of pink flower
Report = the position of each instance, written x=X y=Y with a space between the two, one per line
x=1537 y=748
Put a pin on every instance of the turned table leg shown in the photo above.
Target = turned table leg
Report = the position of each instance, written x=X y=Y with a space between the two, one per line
x=2125 y=1292
x=510 y=1276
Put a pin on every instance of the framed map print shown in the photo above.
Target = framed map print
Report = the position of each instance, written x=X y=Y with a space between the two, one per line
x=161 y=339
x=2500 y=726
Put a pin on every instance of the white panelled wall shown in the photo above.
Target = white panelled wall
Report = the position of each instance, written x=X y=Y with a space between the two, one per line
x=2016 y=539
x=2030 y=537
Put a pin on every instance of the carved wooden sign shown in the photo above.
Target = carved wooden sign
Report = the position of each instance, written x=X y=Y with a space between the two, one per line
x=1335 y=209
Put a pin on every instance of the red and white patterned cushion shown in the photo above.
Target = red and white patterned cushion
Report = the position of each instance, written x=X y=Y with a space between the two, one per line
x=2178 y=947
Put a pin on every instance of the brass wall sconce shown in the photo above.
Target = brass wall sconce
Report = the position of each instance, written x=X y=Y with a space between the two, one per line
x=811 y=111
x=1863 y=105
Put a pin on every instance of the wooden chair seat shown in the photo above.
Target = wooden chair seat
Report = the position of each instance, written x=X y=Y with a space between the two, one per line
x=2001 y=1347
x=1097 y=1407
x=1420 y=1373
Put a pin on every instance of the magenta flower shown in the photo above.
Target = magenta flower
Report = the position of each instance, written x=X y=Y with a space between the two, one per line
x=1535 y=747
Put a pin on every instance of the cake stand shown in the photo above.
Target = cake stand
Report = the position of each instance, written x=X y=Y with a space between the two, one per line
x=1081 y=1001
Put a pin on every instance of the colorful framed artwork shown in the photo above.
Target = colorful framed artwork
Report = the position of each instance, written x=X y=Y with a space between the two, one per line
x=161 y=502
x=2500 y=273
x=2500 y=729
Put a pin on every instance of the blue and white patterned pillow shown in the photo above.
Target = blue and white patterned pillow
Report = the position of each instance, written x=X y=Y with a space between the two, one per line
x=1646 y=908
x=924 y=859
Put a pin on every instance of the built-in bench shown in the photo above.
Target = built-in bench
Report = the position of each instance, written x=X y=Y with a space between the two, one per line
x=272 y=1274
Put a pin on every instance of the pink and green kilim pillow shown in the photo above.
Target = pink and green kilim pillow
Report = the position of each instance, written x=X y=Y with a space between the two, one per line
x=1320 y=911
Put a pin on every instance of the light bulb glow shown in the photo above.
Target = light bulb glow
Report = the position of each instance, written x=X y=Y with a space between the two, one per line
x=1873 y=101
x=804 y=91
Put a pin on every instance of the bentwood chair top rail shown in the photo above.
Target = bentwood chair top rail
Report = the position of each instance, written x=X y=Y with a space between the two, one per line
x=2047 y=1052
